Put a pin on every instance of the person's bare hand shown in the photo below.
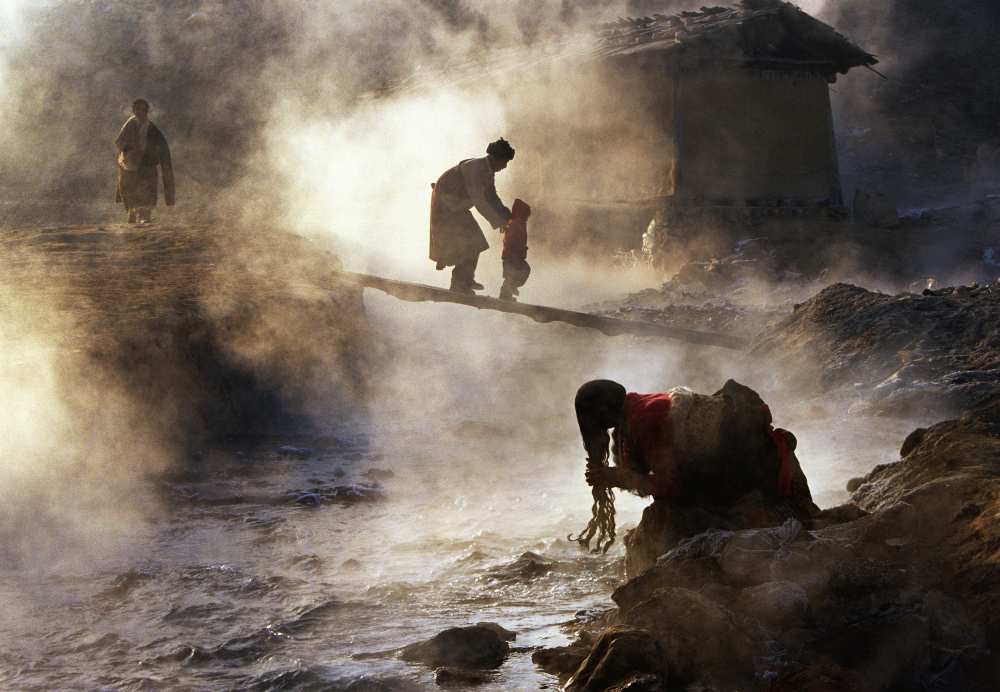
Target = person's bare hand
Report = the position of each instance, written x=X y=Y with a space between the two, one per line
x=600 y=475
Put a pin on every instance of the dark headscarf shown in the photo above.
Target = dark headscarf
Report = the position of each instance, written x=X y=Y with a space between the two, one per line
x=599 y=405
x=501 y=149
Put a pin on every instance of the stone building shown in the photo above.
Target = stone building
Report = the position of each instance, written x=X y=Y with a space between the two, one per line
x=716 y=117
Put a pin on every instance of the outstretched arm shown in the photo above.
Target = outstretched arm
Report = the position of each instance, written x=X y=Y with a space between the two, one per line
x=620 y=477
x=495 y=211
x=481 y=187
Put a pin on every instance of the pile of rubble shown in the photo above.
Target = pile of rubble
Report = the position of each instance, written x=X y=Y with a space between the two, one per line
x=937 y=351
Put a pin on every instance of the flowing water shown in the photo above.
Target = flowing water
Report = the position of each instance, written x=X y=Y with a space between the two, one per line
x=275 y=563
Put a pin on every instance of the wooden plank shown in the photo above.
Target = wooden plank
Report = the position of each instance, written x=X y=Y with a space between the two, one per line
x=606 y=325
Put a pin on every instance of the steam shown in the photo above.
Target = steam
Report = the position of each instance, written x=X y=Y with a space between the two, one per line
x=11 y=33
x=366 y=179
x=283 y=116
x=77 y=460
x=813 y=7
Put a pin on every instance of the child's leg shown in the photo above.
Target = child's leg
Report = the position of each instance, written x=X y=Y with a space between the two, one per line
x=521 y=272
x=508 y=289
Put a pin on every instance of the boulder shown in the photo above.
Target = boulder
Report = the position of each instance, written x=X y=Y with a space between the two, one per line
x=742 y=565
x=736 y=558
x=775 y=603
x=660 y=529
x=528 y=567
x=561 y=661
x=811 y=565
x=461 y=677
x=841 y=514
x=502 y=632
x=619 y=654
x=697 y=636
x=664 y=527
x=473 y=647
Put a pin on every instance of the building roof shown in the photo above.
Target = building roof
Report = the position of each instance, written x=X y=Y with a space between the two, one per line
x=765 y=33
x=755 y=31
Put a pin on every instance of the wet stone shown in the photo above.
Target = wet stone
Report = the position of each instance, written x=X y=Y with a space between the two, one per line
x=473 y=647
x=560 y=660
x=617 y=658
x=696 y=635
x=527 y=567
x=461 y=678
x=854 y=483
x=502 y=632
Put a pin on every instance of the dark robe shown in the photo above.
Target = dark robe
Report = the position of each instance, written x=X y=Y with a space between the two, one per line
x=454 y=234
x=139 y=188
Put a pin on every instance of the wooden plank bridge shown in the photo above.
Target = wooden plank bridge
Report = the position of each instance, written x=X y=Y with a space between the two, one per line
x=610 y=326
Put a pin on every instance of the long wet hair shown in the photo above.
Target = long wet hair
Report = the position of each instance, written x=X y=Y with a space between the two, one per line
x=599 y=407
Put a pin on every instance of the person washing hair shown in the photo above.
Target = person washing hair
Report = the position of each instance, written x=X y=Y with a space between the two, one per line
x=689 y=450
x=516 y=269
x=455 y=238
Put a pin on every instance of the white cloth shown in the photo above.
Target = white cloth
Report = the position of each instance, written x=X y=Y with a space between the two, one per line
x=131 y=143
x=696 y=423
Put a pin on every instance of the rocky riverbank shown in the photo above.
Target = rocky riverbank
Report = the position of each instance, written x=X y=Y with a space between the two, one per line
x=902 y=596
x=894 y=590
x=906 y=354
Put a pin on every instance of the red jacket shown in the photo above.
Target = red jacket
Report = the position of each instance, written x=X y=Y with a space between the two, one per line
x=647 y=446
x=515 y=236
x=648 y=441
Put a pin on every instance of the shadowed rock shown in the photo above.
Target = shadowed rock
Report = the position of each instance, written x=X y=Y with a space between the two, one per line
x=475 y=647
x=620 y=653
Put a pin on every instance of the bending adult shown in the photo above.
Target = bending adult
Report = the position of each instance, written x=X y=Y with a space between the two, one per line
x=456 y=238
x=717 y=453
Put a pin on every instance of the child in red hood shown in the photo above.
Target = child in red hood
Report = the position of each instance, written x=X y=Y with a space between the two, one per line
x=515 y=251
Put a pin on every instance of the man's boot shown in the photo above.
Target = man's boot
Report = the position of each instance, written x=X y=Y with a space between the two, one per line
x=460 y=283
x=131 y=215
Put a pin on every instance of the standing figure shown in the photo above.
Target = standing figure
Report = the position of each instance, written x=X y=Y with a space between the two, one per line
x=456 y=239
x=516 y=269
x=141 y=148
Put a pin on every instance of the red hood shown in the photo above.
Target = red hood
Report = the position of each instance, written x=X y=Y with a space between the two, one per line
x=520 y=211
